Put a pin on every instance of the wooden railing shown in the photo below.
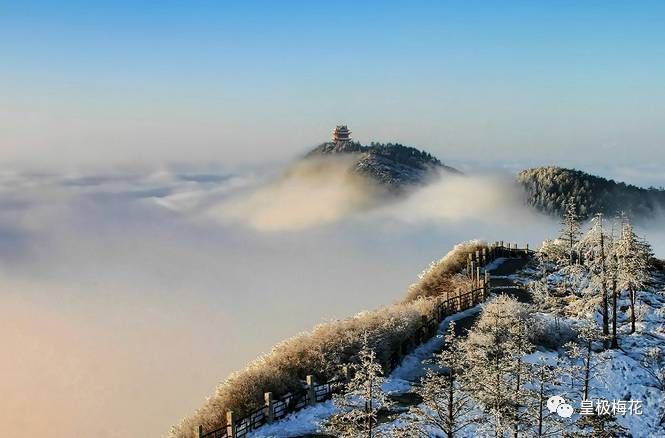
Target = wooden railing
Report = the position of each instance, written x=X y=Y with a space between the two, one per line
x=312 y=392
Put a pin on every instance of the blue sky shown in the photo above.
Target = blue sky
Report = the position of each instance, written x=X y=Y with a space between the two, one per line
x=249 y=81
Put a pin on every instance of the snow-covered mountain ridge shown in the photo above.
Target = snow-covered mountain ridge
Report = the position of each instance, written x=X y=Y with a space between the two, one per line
x=519 y=356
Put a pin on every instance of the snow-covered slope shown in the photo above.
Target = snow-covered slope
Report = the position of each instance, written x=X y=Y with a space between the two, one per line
x=618 y=380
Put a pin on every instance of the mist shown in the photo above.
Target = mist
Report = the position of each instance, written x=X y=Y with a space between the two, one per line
x=128 y=295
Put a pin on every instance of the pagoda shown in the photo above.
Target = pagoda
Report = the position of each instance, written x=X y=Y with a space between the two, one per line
x=341 y=134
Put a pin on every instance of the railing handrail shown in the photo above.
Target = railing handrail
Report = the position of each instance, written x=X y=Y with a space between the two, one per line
x=492 y=251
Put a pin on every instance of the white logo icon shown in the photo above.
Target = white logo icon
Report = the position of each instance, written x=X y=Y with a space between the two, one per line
x=558 y=404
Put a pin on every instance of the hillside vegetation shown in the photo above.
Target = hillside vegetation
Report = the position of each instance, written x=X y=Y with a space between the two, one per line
x=567 y=347
x=550 y=188
x=392 y=165
x=322 y=351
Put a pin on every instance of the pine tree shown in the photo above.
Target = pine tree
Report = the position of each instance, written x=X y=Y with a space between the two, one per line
x=653 y=362
x=570 y=228
x=613 y=269
x=594 y=245
x=598 y=426
x=546 y=380
x=496 y=372
x=633 y=254
x=447 y=406
x=359 y=403
x=585 y=364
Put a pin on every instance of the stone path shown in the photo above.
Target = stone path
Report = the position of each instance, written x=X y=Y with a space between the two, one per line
x=500 y=283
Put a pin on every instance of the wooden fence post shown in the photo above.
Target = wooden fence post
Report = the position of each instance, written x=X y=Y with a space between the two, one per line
x=486 y=289
x=478 y=277
x=199 y=431
x=270 y=407
x=230 y=424
x=311 y=390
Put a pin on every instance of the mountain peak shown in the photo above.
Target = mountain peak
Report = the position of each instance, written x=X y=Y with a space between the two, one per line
x=390 y=164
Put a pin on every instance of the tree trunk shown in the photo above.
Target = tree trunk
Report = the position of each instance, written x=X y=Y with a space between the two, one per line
x=541 y=399
x=369 y=414
x=631 y=294
x=517 y=397
x=603 y=283
x=571 y=236
x=587 y=371
x=615 y=341
x=451 y=425
x=497 y=401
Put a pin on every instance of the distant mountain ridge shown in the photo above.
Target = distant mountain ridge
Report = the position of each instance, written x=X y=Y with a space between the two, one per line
x=549 y=188
x=394 y=166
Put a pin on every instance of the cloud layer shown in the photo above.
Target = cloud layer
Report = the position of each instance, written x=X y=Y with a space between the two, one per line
x=115 y=283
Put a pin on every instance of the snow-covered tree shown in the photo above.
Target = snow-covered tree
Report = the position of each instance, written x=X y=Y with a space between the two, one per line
x=546 y=379
x=612 y=266
x=633 y=255
x=585 y=364
x=653 y=362
x=541 y=296
x=495 y=369
x=598 y=426
x=447 y=406
x=363 y=397
x=554 y=251
x=594 y=246
x=570 y=228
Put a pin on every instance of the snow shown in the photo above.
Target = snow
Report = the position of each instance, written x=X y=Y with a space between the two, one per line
x=302 y=422
x=495 y=263
x=400 y=381
x=411 y=368
x=622 y=377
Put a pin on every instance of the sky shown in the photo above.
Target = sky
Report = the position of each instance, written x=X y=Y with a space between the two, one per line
x=150 y=241
x=122 y=82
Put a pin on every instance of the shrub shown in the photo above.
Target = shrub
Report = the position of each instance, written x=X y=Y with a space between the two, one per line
x=442 y=276
x=321 y=351
x=551 y=332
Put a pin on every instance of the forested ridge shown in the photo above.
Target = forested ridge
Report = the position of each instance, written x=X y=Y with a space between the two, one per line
x=392 y=165
x=550 y=188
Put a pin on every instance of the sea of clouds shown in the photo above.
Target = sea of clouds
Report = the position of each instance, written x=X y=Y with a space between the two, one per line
x=128 y=294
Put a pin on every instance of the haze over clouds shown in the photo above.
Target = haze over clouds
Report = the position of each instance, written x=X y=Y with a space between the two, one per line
x=129 y=295
x=118 y=305
x=136 y=274
x=311 y=192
